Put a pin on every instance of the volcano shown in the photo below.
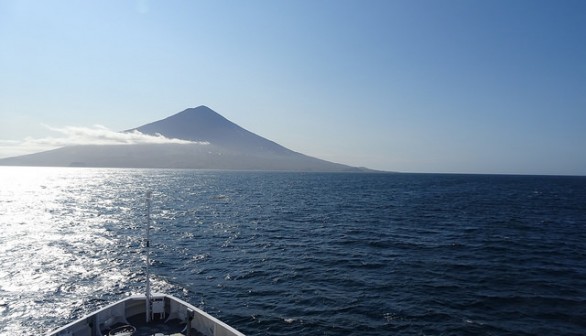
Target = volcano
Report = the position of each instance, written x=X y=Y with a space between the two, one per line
x=214 y=143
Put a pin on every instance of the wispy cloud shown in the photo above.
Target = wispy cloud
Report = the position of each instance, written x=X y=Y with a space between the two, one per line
x=73 y=135
x=100 y=135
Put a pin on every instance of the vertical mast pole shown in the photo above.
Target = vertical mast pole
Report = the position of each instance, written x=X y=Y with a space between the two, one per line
x=148 y=261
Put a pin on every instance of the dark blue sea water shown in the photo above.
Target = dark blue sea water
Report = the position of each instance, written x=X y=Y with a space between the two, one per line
x=300 y=253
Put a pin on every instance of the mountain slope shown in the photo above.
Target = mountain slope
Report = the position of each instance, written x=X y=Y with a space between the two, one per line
x=228 y=146
x=204 y=124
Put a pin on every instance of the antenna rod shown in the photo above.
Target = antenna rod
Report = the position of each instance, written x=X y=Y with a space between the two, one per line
x=148 y=261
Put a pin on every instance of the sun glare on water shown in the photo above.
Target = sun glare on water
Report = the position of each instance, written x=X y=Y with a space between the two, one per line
x=55 y=245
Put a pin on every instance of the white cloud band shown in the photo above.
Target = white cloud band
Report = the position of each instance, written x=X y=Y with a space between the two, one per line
x=73 y=135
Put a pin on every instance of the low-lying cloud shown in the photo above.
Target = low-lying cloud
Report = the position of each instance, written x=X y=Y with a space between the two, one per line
x=74 y=135
x=100 y=135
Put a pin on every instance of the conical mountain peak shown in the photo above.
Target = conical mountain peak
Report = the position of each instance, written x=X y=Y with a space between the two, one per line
x=193 y=116
x=197 y=124
x=227 y=146
x=201 y=112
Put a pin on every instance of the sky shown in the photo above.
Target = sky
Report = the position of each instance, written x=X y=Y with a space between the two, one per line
x=454 y=86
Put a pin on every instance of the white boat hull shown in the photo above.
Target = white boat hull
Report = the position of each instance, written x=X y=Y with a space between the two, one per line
x=169 y=316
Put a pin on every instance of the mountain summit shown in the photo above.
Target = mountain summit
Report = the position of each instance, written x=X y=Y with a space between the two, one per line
x=211 y=142
x=204 y=124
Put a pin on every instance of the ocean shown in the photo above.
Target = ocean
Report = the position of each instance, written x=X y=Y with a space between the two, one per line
x=275 y=253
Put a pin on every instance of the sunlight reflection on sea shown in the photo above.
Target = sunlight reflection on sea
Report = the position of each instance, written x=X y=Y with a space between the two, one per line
x=55 y=246
x=299 y=253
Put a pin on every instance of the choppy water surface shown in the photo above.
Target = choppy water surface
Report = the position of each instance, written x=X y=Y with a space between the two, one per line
x=300 y=254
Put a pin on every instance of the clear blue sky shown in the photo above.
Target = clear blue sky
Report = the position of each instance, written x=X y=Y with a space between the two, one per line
x=416 y=86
